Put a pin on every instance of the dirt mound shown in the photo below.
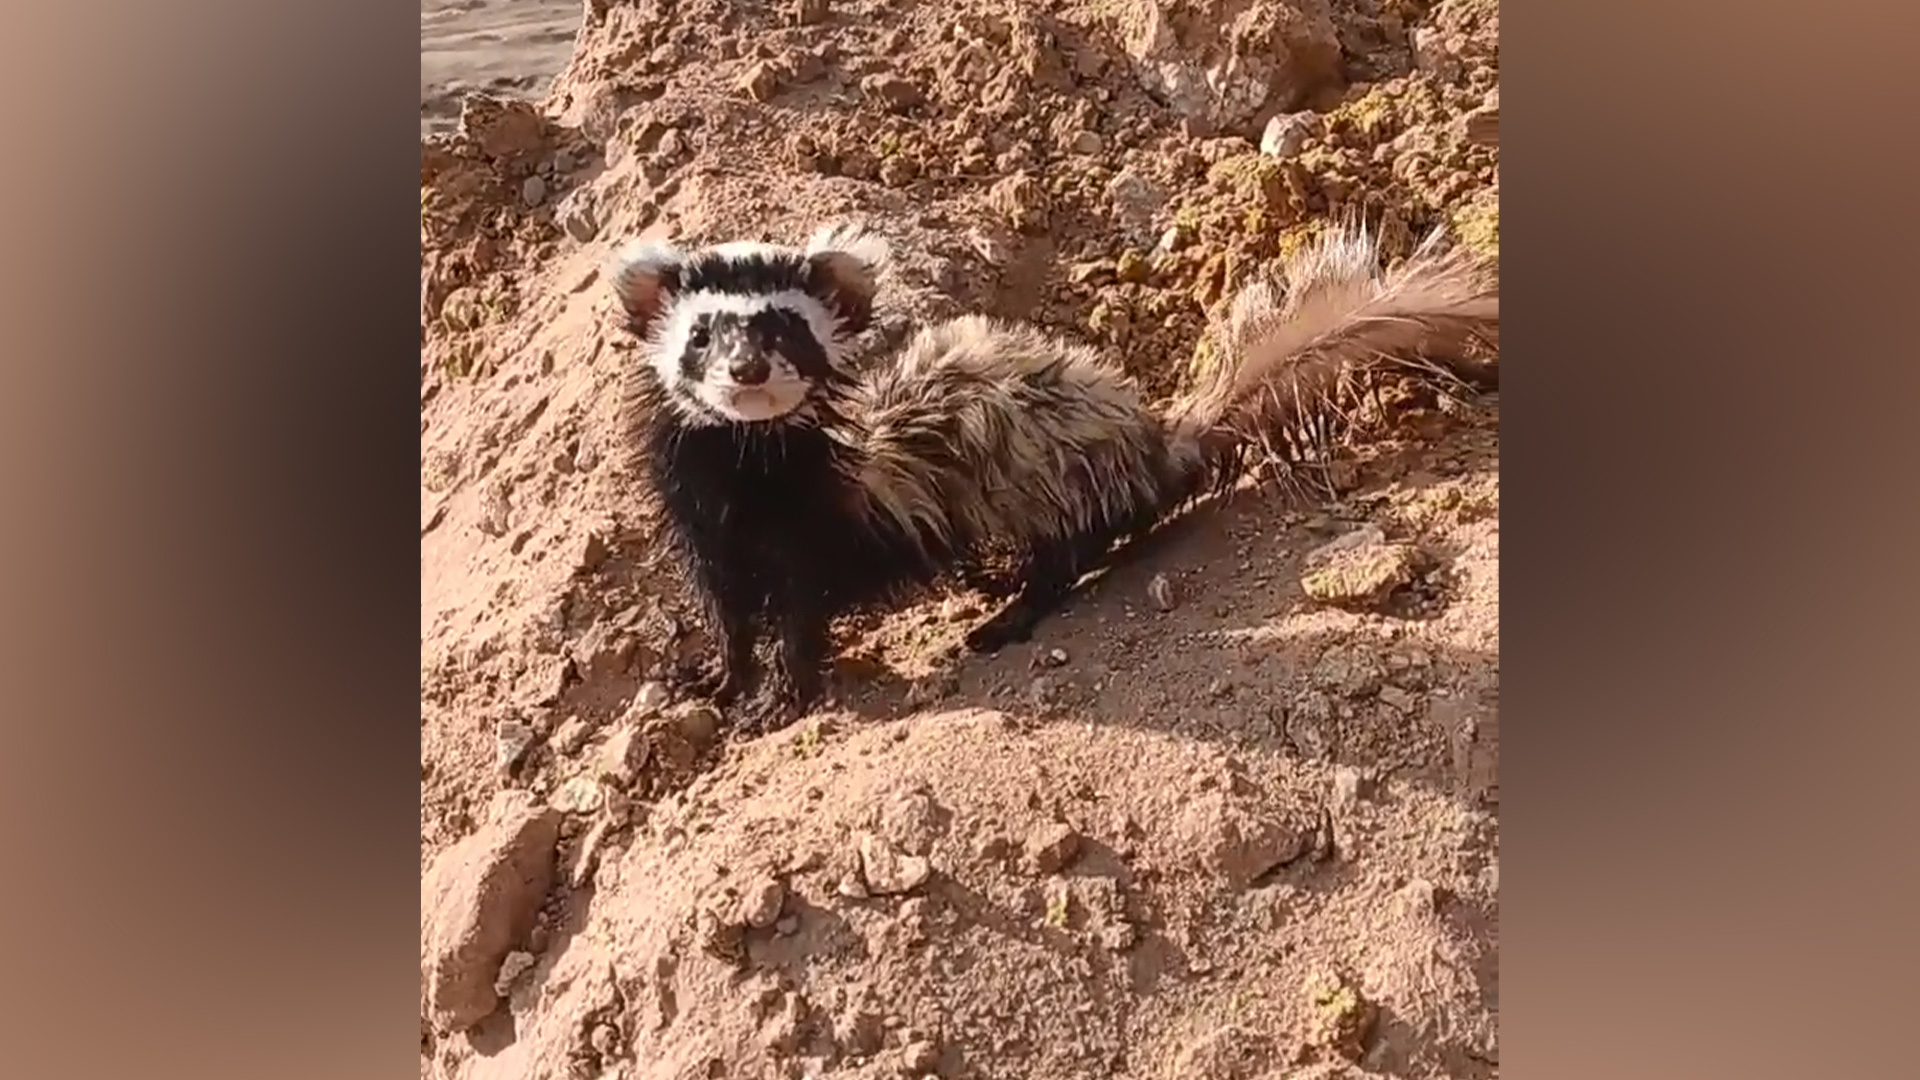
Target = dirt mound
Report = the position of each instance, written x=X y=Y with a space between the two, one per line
x=1231 y=815
x=963 y=894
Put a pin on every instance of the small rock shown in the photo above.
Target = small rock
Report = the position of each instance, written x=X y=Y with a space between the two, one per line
x=1040 y=691
x=699 y=723
x=1359 y=570
x=1160 y=592
x=1051 y=847
x=624 y=755
x=580 y=795
x=1136 y=202
x=533 y=191
x=808 y=65
x=761 y=903
x=1398 y=699
x=587 y=859
x=851 y=887
x=648 y=701
x=1286 y=133
x=1087 y=142
x=1241 y=843
x=1021 y=200
x=592 y=551
x=897 y=94
x=510 y=741
x=1418 y=898
x=919 y=1057
x=1056 y=657
x=760 y=81
x=787 y=925
x=1172 y=240
x=514 y=966
x=992 y=847
x=605 y=1039
x=887 y=871
x=580 y=223
x=808 y=12
x=672 y=145
x=478 y=900
x=1349 y=787
x=496 y=510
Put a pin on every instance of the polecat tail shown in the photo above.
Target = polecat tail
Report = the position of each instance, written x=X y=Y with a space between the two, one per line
x=1293 y=366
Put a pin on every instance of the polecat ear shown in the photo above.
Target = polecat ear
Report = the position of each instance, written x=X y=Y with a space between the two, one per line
x=645 y=276
x=845 y=262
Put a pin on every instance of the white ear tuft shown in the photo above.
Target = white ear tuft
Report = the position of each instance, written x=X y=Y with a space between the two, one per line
x=858 y=242
x=645 y=275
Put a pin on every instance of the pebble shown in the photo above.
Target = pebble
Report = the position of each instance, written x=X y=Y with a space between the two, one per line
x=761 y=904
x=1398 y=699
x=1349 y=787
x=699 y=723
x=587 y=860
x=1051 y=847
x=787 y=925
x=896 y=93
x=887 y=871
x=648 y=700
x=580 y=223
x=1087 y=142
x=1286 y=133
x=510 y=741
x=533 y=191
x=760 y=81
x=605 y=1039
x=1160 y=592
x=1040 y=691
x=624 y=755
x=580 y=795
x=514 y=966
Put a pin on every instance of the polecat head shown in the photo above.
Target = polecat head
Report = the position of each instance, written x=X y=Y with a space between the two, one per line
x=750 y=333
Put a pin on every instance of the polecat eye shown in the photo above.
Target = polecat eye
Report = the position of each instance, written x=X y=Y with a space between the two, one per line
x=699 y=336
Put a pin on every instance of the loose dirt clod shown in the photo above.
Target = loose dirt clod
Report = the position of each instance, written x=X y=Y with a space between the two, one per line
x=1360 y=569
x=478 y=900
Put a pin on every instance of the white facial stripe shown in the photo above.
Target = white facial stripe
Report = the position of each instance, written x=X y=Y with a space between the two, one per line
x=680 y=319
x=783 y=394
x=819 y=319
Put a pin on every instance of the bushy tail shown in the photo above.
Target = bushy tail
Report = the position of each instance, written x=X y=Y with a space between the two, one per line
x=1295 y=364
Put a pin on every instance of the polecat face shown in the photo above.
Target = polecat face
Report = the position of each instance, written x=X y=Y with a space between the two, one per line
x=748 y=333
x=746 y=357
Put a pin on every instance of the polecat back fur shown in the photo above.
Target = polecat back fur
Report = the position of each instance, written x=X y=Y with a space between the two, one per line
x=797 y=488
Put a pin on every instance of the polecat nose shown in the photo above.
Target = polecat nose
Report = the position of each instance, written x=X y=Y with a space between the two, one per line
x=750 y=371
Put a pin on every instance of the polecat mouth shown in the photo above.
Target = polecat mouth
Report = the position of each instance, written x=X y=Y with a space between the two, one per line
x=751 y=399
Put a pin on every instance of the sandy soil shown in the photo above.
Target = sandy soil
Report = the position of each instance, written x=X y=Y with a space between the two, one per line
x=1206 y=825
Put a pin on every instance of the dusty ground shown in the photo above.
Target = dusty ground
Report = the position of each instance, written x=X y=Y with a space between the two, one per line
x=1206 y=826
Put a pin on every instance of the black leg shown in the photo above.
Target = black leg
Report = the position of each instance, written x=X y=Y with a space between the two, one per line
x=1050 y=579
x=730 y=613
x=1051 y=575
x=800 y=676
